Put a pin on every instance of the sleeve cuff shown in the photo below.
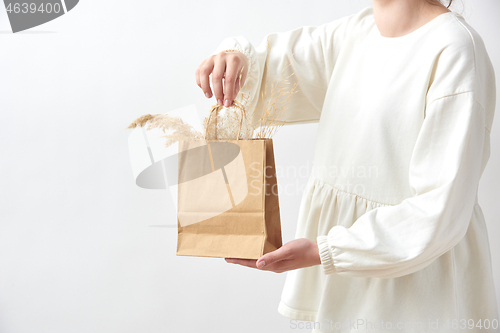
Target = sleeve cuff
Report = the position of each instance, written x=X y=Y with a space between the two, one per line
x=325 y=254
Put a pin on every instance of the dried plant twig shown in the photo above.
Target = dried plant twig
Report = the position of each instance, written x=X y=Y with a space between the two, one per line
x=165 y=122
x=273 y=107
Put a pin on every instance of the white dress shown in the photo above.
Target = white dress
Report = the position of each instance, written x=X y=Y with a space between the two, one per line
x=403 y=139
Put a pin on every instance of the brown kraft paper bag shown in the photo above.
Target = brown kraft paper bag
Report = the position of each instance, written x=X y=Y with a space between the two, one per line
x=228 y=203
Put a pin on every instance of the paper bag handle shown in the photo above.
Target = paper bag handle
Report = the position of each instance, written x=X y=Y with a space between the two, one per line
x=216 y=108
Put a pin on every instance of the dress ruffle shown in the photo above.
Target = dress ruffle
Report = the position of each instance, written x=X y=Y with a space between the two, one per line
x=324 y=205
x=322 y=296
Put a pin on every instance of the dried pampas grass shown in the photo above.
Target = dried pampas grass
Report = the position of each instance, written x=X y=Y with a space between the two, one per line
x=273 y=107
x=229 y=126
x=165 y=122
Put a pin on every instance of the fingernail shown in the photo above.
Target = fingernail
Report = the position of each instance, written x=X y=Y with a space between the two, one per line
x=261 y=264
x=207 y=94
x=219 y=101
x=226 y=103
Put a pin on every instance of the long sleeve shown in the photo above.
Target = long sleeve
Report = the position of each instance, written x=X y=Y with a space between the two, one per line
x=312 y=52
x=445 y=168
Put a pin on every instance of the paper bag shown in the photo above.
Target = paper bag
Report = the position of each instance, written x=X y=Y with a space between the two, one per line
x=228 y=204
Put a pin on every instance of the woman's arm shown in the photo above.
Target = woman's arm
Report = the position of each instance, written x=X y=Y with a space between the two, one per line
x=393 y=241
x=445 y=169
x=312 y=52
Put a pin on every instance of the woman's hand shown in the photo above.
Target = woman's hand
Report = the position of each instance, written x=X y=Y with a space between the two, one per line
x=298 y=253
x=231 y=66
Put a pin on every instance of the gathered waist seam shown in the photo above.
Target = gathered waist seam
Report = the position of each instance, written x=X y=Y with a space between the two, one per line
x=315 y=179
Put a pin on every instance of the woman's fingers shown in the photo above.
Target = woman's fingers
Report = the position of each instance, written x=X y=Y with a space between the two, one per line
x=232 y=67
x=229 y=67
x=204 y=72
x=235 y=76
x=217 y=76
x=197 y=73
x=240 y=80
x=243 y=262
x=277 y=266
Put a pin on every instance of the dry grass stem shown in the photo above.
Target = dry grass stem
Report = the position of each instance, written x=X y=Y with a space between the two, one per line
x=273 y=107
x=165 y=122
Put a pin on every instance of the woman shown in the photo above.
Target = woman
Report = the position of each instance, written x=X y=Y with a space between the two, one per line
x=404 y=94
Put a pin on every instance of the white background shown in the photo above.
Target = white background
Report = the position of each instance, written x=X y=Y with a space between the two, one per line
x=80 y=246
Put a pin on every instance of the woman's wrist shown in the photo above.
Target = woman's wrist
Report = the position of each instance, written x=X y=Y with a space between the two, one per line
x=316 y=259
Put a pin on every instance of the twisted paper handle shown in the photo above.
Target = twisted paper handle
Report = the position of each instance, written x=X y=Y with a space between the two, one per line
x=216 y=108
